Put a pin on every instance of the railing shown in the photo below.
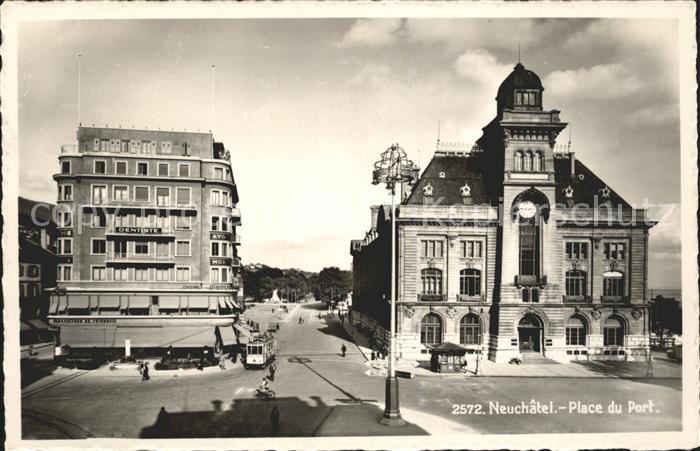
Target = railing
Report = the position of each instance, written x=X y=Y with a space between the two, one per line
x=437 y=212
x=468 y=298
x=432 y=297
x=138 y=258
x=88 y=201
x=162 y=285
x=69 y=148
x=614 y=299
x=584 y=214
x=527 y=280
x=580 y=299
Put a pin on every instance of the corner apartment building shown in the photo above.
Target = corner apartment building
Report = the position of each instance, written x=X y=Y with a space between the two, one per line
x=511 y=247
x=147 y=241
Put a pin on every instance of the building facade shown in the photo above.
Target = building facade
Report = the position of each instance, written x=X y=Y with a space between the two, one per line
x=147 y=241
x=37 y=268
x=511 y=248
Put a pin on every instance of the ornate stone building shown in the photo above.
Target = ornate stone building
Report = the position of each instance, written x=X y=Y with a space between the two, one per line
x=513 y=248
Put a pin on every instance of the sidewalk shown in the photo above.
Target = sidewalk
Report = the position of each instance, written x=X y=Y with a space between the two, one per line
x=662 y=367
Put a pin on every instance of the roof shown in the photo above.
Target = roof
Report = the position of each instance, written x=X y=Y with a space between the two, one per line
x=585 y=184
x=25 y=206
x=448 y=347
x=475 y=171
x=520 y=78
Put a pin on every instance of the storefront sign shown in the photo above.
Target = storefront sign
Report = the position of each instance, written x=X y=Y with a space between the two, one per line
x=221 y=286
x=65 y=232
x=83 y=321
x=191 y=286
x=220 y=261
x=141 y=230
x=220 y=235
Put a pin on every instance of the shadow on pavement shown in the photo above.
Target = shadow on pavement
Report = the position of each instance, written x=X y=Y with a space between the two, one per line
x=665 y=373
x=32 y=370
x=252 y=418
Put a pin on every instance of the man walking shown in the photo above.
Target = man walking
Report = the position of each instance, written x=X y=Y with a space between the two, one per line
x=144 y=375
x=275 y=420
x=273 y=368
x=343 y=349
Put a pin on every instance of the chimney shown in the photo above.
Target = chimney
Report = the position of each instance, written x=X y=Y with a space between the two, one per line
x=375 y=215
x=572 y=159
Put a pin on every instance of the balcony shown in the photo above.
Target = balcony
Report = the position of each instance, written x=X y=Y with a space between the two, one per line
x=576 y=299
x=236 y=238
x=422 y=297
x=69 y=149
x=165 y=204
x=119 y=258
x=468 y=298
x=140 y=232
x=615 y=299
x=530 y=281
x=235 y=262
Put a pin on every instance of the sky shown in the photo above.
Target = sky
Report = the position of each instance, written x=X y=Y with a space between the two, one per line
x=306 y=106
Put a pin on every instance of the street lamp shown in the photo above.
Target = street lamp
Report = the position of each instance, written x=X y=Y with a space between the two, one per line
x=393 y=167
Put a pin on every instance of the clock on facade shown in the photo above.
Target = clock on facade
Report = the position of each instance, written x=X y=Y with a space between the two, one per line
x=526 y=209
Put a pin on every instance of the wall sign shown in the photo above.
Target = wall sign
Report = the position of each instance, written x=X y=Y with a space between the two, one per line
x=64 y=258
x=65 y=232
x=142 y=230
x=220 y=235
x=83 y=320
x=220 y=261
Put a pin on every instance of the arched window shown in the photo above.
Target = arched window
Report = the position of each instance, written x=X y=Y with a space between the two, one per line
x=613 y=332
x=527 y=166
x=537 y=162
x=518 y=162
x=470 y=282
x=431 y=329
x=431 y=279
x=576 y=283
x=613 y=284
x=575 y=332
x=469 y=330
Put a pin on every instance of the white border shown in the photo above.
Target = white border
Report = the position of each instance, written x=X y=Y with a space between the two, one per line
x=12 y=12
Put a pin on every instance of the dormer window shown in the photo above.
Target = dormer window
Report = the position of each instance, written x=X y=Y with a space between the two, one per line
x=526 y=98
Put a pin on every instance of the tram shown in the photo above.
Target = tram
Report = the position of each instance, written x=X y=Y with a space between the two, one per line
x=260 y=351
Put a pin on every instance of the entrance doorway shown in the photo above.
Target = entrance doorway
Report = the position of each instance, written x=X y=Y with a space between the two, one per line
x=530 y=334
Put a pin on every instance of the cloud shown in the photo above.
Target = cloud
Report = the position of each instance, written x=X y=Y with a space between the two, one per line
x=653 y=115
x=372 y=32
x=600 y=82
x=371 y=74
x=479 y=66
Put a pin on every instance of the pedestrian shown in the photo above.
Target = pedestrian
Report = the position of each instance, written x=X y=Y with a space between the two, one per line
x=234 y=357
x=273 y=368
x=162 y=425
x=343 y=349
x=275 y=420
x=373 y=356
x=144 y=375
x=222 y=362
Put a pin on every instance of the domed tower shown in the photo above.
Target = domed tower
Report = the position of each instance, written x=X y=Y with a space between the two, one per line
x=521 y=90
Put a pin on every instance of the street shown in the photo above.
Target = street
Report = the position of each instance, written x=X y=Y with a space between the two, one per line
x=320 y=392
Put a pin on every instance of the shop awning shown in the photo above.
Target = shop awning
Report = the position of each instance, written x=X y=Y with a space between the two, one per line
x=39 y=324
x=24 y=327
x=109 y=301
x=201 y=302
x=228 y=336
x=213 y=302
x=170 y=302
x=223 y=302
x=53 y=305
x=79 y=301
x=243 y=330
x=62 y=303
x=139 y=302
x=234 y=303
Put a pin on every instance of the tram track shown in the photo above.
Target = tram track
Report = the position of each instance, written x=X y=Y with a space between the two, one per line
x=50 y=385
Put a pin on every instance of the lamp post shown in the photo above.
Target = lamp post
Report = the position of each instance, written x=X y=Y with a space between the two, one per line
x=392 y=168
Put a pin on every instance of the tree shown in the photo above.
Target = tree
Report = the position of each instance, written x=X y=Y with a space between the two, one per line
x=666 y=315
x=332 y=284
